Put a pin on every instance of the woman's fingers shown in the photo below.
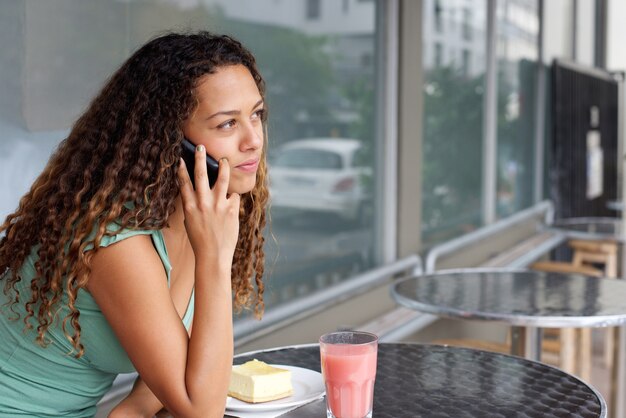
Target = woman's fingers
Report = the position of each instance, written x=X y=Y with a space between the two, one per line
x=203 y=191
x=211 y=216
x=223 y=177
x=200 y=174
x=186 y=188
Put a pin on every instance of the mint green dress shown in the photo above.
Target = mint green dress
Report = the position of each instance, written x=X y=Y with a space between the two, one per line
x=50 y=382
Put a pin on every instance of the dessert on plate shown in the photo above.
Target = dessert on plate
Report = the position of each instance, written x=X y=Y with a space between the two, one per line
x=256 y=381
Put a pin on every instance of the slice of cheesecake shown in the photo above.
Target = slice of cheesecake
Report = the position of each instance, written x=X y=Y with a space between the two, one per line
x=256 y=381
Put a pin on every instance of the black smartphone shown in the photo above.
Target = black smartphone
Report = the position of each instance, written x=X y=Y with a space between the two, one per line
x=188 y=154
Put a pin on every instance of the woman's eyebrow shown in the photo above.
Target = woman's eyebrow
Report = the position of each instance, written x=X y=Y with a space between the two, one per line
x=257 y=104
x=224 y=112
x=233 y=112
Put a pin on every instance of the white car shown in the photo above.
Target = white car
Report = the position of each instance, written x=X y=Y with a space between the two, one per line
x=321 y=175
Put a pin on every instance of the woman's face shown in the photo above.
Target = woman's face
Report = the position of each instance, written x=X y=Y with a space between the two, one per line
x=228 y=122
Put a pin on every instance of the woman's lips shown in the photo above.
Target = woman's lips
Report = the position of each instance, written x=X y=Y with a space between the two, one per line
x=249 y=166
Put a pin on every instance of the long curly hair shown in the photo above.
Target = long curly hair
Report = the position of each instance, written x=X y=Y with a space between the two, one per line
x=124 y=149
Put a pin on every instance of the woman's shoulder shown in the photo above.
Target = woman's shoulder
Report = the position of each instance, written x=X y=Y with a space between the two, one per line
x=128 y=251
x=131 y=243
x=114 y=232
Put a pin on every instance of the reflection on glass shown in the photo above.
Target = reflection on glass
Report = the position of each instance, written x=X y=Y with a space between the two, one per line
x=453 y=118
x=321 y=176
x=518 y=30
x=318 y=59
x=308 y=158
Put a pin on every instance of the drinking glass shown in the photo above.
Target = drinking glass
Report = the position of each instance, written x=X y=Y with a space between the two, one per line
x=349 y=370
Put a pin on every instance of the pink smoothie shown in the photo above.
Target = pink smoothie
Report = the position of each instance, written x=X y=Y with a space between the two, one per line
x=349 y=373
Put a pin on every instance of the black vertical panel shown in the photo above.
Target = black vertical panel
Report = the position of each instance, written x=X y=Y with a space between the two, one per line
x=574 y=91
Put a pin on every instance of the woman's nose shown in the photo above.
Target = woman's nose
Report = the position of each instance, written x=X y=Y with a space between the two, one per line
x=253 y=137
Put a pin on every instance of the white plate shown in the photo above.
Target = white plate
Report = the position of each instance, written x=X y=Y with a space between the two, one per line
x=308 y=385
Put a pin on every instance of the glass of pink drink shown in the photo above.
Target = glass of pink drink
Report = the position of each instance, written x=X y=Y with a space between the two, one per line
x=349 y=369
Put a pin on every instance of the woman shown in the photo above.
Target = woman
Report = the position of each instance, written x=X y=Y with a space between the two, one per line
x=113 y=255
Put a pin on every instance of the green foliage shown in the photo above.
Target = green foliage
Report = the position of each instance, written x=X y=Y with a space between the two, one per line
x=453 y=138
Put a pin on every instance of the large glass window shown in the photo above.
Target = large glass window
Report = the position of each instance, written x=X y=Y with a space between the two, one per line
x=453 y=119
x=517 y=52
x=319 y=60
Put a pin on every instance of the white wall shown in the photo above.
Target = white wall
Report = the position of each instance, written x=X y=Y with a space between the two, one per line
x=557 y=38
x=585 y=31
x=616 y=53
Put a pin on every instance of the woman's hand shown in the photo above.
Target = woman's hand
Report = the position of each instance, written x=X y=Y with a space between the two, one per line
x=211 y=215
x=139 y=403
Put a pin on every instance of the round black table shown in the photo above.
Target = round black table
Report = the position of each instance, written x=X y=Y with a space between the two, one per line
x=416 y=380
x=528 y=301
x=524 y=299
x=520 y=298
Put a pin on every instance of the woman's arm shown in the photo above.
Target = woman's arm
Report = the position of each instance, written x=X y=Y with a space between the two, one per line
x=189 y=375
x=140 y=403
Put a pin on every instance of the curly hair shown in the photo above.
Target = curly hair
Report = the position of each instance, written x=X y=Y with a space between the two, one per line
x=125 y=148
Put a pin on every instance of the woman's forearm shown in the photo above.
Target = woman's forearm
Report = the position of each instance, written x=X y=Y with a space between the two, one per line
x=210 y=350
x=140 y=402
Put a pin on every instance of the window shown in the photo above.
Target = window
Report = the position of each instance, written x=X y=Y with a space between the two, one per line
x=313 y=9
x=452 y=20
x=453 y=135
x=517 y=31
x=438 y=11
x=319 y=85
x=467 y=24
x=453 y=195
x=438 y=55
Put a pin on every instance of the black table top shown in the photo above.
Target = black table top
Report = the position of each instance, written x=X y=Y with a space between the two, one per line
x=415 y=380
x=520 y=298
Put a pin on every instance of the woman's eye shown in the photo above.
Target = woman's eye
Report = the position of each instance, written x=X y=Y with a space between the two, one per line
x=227 y=125
x=259 y=114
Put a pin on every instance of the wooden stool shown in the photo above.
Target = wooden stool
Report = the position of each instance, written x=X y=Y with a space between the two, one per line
x=591 y=253
x=587 y=253
x=564 y=267
x=569 y=344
